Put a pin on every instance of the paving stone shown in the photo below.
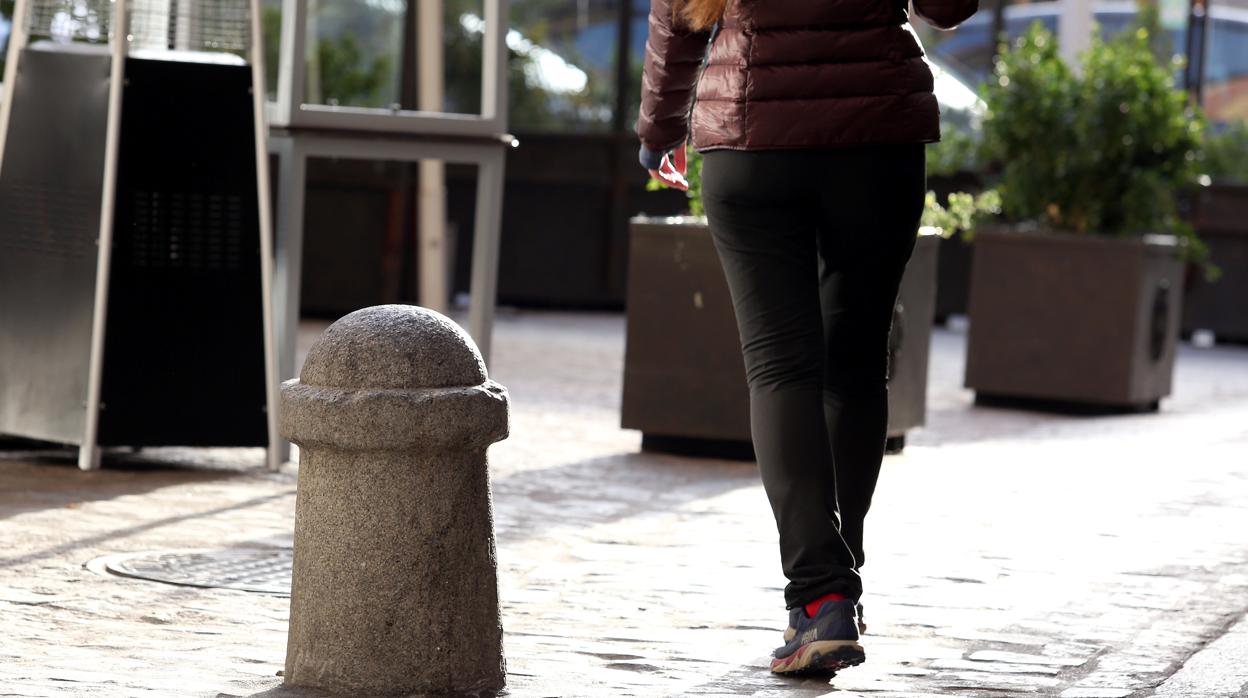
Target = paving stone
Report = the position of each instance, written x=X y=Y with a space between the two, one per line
x=1003 y=682
x=995 y=667
x=1079 y=692
x=1110 y=679
x=1071 y=649
x=999 y=638
x=1019 y=658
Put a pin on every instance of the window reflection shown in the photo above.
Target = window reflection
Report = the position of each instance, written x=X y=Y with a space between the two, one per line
x=271 y=25
x=462 y=70
x=561 y=62
x=358 y=48
x=1226 y=66
x=6 y=11
x=563 y=58
x=638 y=32
x=354 y=53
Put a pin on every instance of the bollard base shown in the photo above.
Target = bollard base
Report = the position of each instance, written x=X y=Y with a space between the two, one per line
x=275 y=688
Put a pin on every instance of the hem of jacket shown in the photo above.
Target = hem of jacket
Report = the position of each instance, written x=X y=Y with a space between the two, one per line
x=702 y=147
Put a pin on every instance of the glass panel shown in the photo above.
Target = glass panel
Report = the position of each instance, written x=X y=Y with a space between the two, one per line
x=359 y=62
x=6 y=11
x=967 y=51
x=561 y=62
x=462 y=32
x=639 y=31
x=1226 y=68
x=355 y=52
x=271 y=25
x=563 y=58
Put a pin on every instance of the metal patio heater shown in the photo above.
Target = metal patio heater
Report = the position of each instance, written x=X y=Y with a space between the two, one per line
x=135 y=232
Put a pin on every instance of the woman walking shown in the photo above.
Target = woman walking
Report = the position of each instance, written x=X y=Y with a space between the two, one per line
x=811 y=115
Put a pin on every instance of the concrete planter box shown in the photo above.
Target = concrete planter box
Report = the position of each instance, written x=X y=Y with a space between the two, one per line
x=1220 y=215
x=911 y=341
x=1073 y=322
x=684 y=379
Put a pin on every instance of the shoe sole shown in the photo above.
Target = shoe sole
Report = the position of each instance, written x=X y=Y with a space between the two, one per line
x=826 y=657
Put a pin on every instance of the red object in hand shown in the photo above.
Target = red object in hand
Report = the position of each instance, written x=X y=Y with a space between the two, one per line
x=672 y=171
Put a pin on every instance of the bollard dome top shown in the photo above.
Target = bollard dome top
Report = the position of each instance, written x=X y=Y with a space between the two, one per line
x=394 y=346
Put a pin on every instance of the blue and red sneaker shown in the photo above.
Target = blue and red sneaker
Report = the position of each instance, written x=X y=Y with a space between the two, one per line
x=820 y=644
x=790 y=631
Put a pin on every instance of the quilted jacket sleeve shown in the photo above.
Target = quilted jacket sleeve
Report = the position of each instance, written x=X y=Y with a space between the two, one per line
x=945 y=14
x=673 y=57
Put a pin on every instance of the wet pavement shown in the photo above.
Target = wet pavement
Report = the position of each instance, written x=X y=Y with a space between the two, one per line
x=1010 y=552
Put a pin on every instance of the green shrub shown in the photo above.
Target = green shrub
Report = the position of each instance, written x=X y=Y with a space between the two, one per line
x=1102 y=153
x=694 y=177
x=961 y=212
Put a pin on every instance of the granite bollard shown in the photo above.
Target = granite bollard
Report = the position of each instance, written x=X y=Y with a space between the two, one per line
x=395 y=577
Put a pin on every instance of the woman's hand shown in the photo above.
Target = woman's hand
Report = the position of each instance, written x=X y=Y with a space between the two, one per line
x=672 y=171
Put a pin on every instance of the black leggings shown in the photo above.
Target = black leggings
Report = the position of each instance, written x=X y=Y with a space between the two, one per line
x=813 y=244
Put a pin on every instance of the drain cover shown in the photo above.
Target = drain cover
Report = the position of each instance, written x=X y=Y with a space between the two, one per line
x=260 y=570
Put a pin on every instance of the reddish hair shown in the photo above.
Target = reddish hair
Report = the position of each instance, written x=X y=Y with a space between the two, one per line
x=699 y=15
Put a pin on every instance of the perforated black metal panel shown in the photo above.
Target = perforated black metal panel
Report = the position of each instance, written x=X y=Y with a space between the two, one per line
x=184 y=350
x=195 y=231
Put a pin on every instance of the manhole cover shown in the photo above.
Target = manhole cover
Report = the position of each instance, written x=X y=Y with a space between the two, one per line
x=260 y=570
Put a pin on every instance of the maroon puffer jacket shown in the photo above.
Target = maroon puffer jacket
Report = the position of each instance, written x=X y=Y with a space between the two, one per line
x=793 y=74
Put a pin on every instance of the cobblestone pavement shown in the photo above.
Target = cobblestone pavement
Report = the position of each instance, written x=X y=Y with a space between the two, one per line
x=1011 y=552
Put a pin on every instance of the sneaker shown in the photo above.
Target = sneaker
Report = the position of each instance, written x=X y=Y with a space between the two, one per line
x=824 y=644
x=790 y=631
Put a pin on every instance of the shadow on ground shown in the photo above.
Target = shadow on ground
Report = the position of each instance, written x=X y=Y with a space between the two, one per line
x=39 y=476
